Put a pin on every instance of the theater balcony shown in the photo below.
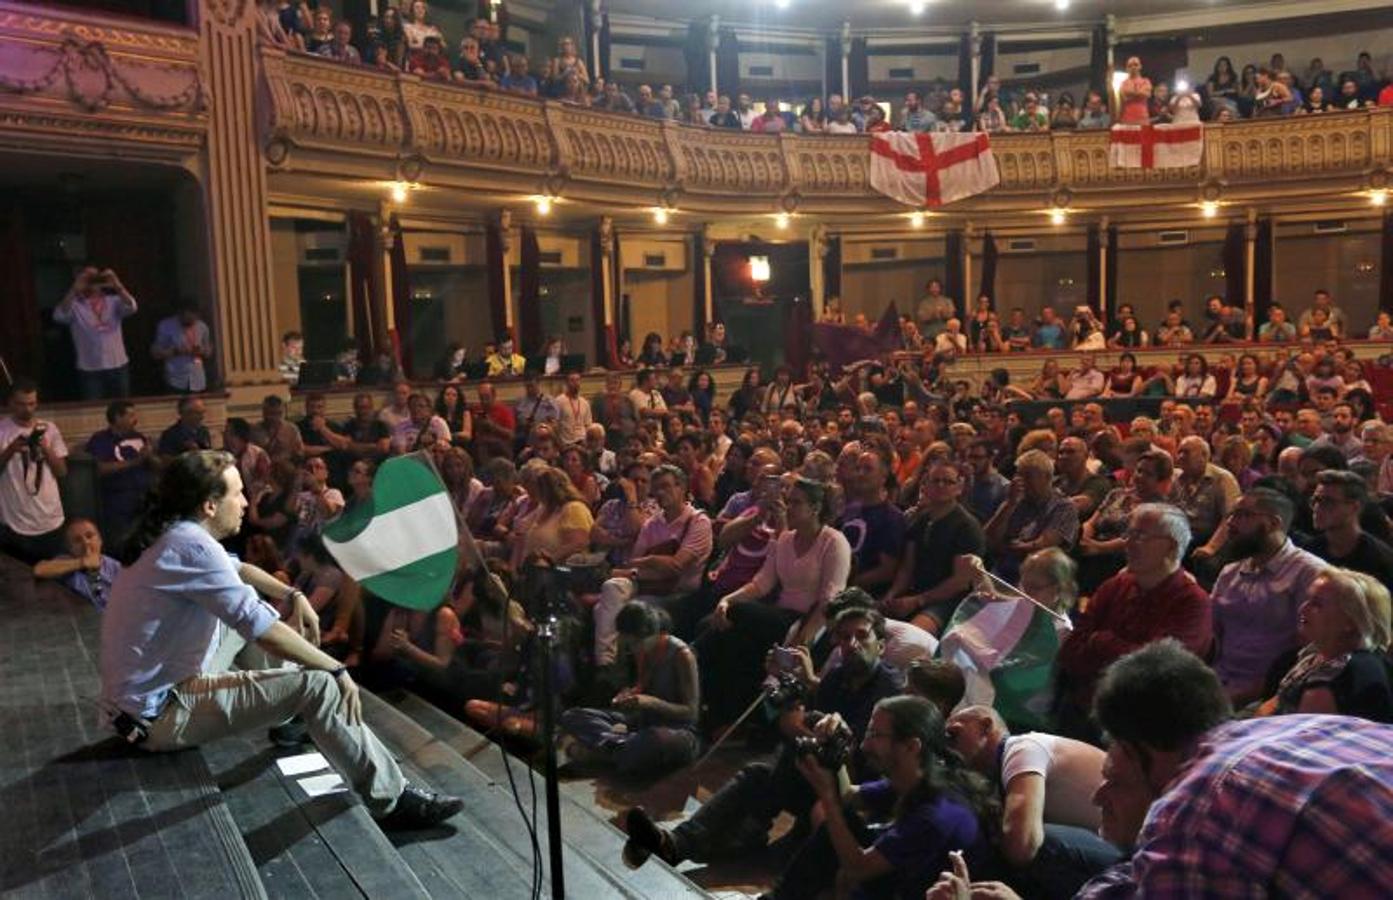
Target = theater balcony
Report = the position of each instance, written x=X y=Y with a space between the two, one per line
x=324 y=119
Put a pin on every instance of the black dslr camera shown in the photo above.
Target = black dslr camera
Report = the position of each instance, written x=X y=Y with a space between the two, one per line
x=786 y=692
x=35 y=437
x=831 y=752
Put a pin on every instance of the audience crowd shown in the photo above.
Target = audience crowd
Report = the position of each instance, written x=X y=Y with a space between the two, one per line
x=862 y=556
x=404 y=38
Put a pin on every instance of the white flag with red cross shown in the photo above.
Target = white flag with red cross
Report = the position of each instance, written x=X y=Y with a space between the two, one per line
x=932 y=169
x=1175 y=146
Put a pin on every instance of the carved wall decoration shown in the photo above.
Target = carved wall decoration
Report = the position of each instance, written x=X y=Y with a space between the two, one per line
x=86 y=74
x=226 y=12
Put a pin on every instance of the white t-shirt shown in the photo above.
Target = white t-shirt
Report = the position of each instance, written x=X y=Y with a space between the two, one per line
x=29 y=500
x=1072 y=771
x=650 y=400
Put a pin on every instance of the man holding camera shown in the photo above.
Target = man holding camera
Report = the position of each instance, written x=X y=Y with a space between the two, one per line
x=740 y=814
x=32 y=459
x=93 y=308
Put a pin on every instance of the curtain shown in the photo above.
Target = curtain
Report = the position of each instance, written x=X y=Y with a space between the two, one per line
x=832 y=268
x=798 y=335
x=20 y=339
x=965 y=67
x=1094 y=259
x=988 y=66
x=953 y=275
x=1385 y=272
x=1262 y=270
x=1099 y=78
x=858 y=70
x=1235 y=265
x=401 y=302
x=728 y=65
x=529 y=335
x=988 y=279
x=365 y=294
x=601 y=355
x=498 y=301
x=1109 y=298
x=1161 y=57
x=698 y=288
x=697 y=58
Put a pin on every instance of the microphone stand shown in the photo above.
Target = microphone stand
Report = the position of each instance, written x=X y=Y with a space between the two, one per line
x=546 y=634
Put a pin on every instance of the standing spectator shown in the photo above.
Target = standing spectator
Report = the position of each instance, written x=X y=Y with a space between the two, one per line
x=724 y=116
x=915 y=117
x=188 y=431
x=417 y=28
x=771 y=121
x=183 y=342
x=814 y=118
x=93 y=309
x=1336 y=320
x=745 y=109
x=568 y=60
x=573 y=412
x=934 y=310
x=993 y=118
x=615 y=411
x=494 y=425
x=391 y=36
x=1135 y=94
x=124 y=460
x=469 y=67
x=518 y=81
x=1050 y=333
x=534 y=408
x=33 y=457
x=292 y=357
x=1272 y=95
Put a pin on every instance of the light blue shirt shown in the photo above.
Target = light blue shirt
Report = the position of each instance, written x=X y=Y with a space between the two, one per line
x=161 y=622
x=183 y=371
x=96 y=330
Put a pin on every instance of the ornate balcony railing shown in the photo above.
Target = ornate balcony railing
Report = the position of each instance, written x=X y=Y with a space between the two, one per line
x=95 y=84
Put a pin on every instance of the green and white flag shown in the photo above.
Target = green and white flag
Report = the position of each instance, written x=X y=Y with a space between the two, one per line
x=403 y=545
x=1006 y=648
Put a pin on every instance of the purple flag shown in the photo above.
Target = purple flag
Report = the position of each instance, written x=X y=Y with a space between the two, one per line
x=843 y=345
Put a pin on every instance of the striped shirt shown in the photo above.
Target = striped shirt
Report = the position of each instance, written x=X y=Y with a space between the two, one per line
x=1285 y=806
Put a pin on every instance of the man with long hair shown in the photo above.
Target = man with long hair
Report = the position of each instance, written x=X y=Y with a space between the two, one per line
x=186 y=609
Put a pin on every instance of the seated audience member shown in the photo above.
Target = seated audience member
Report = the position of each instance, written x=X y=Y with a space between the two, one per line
x=1339 y=432
x=988 y=487
x=1276 y=330
x=615 y=411
x=737 y=817
x=188 y=431
x=252 y=462
x=925 y=805
x=504 y=361
x=271 y=511
x=938 y=681
x=620 y=518
x=84 y=569
x=1151 y=598
x=1340 y=540
x=469 y=66
x=339 y=46
x=1256 y=597
x=518 y=81
x=1196 y=382
x=292 y=357
x=1203 y=491
x=1049 y=826
x=928 y=584
x=1343 y=669
x=430 y=62
x=650 y=726
x=1125 y=380
x=422 y=429
x=453 y=408
x=1085 y=382
x=34 y=459
x=904 y=643
x=366 y=435
x=182 y=344
x=332 y=594
x=1049 y=331
x=317 y=502
x=666 y=564
x=557 y=527
x=1334 y=319
x=315 y=428
x=280 y=439
x=874 y=527
x=125 y=461
x=808 y=563
x=1076 y=479
x=1202 y=800
x=1034 y=516
x=1102 y=539
x=495 y=425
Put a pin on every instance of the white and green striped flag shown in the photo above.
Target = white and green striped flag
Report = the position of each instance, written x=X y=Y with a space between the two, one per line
x=403 y=545
x=1006 y=648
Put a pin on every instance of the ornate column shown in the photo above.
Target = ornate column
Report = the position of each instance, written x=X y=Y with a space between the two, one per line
x=1104 y=301
x=597 y=21
x=239 y=230
x=713 y=43
x=1250 y=270
x=975 y=42
x=817 y=255
x=607 y=268
x=969 y=235
x=846 y=62
x=505 y=249
x=382 y=258
x=708 y=250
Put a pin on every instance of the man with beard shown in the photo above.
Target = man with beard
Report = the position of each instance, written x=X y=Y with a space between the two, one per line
x=873 y=525
x=1340 y=540
x=1256 y=597
x=739 y=815
x=1341 y=434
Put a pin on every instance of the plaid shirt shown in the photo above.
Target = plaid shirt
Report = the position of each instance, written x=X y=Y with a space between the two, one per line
x=1286 y=806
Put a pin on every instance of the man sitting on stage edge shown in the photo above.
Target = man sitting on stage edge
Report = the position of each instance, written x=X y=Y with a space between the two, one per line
x=181 y=613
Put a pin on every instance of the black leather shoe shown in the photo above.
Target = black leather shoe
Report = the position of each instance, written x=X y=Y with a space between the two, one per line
x=647 y=838
x=420 y=808
x=290 y=734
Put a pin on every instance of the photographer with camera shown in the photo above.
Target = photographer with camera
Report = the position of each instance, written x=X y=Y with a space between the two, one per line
x=93 y=308
x=889 y=837
x=738 y=817
x=32 y=459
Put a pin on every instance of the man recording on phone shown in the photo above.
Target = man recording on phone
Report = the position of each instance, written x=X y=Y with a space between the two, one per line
x=93 y=308
x=838 y=710
x=33 y=458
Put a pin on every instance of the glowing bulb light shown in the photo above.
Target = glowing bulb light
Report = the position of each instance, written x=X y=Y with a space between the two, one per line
x=916 y=9
x=399 y=192
x=543 y=206
x=660 y=216
x=1058 y=217
x=1378 y=198
x=781 y=220
x=1061 y=5
x=1209 y=209
x=759 y=269
x=916 y=219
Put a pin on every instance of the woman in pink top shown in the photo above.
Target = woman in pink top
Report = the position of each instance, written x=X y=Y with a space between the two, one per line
x=1136 y=94
x=808 y=564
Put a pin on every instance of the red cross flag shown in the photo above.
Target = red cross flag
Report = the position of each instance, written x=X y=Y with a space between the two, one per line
x=932 y=169
x=1157 y=146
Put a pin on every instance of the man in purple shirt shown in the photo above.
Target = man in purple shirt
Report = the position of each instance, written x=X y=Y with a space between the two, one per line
x=1285 y=806
x=93 y=308
x=186 y=610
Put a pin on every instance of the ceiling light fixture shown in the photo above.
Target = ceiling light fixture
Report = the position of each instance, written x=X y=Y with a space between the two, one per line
x=543 y=205
x=399 y=194
x=1061 y=5
x=659 y=215
x=916 y=8
x=1378 y=198
x=1209 y=209
x=916 y=219
x=782 y=220
x=1058 y=216
x=759 y=269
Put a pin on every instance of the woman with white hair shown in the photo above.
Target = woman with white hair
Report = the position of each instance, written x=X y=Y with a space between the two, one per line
x=1343 y=669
